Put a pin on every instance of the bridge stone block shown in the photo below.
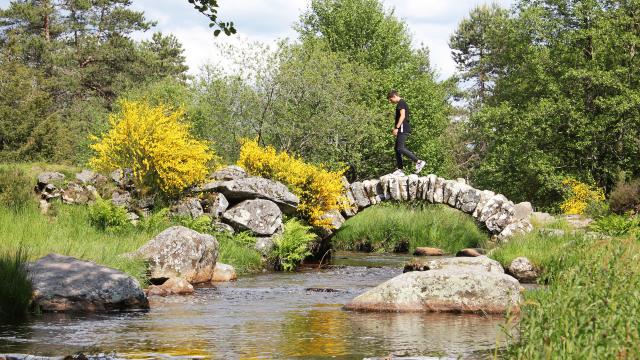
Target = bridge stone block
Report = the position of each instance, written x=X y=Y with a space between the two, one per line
x=438 y=190
x=412 y=187
x=359 y=195
x=469 y=200
x=431 y=179
x=373 y=190
x=454 y=190
x=460 y=198
x=423 y=188
x=485 y=195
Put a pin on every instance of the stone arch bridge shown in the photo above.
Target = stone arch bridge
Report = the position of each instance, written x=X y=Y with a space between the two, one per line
x=495 y=212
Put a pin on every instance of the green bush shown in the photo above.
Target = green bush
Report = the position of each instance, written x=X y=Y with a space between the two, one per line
x=201 y=224
x=15 y=189
x=15 y=285
x=238 y=250
x=106 y=216
x=292 y=246
x=616 y=225
x=398 y=227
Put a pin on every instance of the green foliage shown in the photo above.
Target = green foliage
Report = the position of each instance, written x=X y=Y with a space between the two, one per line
x=625 y=196
x=565 y=103
x=402 y=227
x=590 y=309
x=292 y=246
x=617 y=225
x=106 y=216
x=15 y=190
x=201 y=224
x=15 y=285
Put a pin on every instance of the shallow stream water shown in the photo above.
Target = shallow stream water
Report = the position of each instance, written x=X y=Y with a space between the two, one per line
x=266 y=316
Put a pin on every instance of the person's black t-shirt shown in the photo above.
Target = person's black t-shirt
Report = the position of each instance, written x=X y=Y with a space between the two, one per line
x=405 y=127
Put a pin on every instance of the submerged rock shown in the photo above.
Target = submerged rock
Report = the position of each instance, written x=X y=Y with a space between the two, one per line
x=179 y=252
x=471 y=252
x=224 y=273
x=173 y=286
x=428 y=251
x=64 y=283
x=445 y=290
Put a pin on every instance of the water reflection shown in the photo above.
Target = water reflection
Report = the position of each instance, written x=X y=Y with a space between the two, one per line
x=264 y=316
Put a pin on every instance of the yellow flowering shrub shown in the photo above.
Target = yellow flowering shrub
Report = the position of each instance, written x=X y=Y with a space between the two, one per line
x=580 y=195
x=318 y=189
x=156 y=144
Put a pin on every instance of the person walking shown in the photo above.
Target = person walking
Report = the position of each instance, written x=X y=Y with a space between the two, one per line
x=401 y=130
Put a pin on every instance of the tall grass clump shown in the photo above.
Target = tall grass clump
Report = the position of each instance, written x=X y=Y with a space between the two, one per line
x=15 y=285
x=590 y=310
x=15 y=192
x=396 y=227
x=238 y=250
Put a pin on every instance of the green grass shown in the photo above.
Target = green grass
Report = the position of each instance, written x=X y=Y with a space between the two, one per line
x=392 y=227
x=590 y=310
x=237 y=251
x=70 y=233
x=15 y=286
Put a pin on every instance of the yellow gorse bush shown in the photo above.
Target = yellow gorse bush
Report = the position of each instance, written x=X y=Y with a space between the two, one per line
x=580 y=195
x=319 y=190
x=156 y=144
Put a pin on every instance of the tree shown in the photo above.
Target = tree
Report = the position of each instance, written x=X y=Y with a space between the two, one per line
x=473 y=45
x=568 y=103
x=209 y=8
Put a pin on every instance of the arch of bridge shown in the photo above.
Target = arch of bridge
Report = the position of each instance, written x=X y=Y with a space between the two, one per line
x=494 y=211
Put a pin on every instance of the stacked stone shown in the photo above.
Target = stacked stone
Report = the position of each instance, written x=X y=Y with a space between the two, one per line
x=495 y=211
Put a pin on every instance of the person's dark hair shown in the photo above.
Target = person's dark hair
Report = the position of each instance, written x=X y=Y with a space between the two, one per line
x=392 y=93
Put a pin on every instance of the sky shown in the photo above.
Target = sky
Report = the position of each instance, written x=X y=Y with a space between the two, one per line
x=430 y=22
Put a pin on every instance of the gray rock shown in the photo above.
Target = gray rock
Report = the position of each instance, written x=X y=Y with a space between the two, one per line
x=215 y=204
x=256 y=188
x=44 y=207
x=373 y=190
x=122 y=199
x=517 y=227
x=359 y=194
x=522 y=211
x=541 y=218
x=485 y=195
x=264 y=245
x=222 y=227
x=438 y=190
x=232 y=172
x=133 y=218
x=335 y=217
x=224 y=273
x=64 y=283
x=49 y=192
x=445 y=290
x=188 y=207
x=78 y=194
x=262 y=217
x=412 y=187
x=470 y=252
x=523 y=270
x=86 y=177
x=146 y=202
x=431 y=180
x=181 y=252
x=122 y=178
x=352 y=208
x=49 y=178
x=479 y=263
x=469 y=200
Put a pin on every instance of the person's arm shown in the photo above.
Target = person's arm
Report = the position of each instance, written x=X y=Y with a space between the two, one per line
x=401 y=119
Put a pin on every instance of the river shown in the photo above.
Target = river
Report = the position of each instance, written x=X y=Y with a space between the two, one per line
x=266 y=316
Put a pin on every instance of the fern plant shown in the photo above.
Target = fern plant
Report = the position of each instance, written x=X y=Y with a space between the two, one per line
x=292 y=246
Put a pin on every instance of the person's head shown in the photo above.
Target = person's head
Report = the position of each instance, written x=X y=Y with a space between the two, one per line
x=393 y=97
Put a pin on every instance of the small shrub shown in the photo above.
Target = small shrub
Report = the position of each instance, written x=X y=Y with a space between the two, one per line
x=201 y=224
x=579 y=195
x=616 y=225
x=625 y=196
x=156 y=144
x=292 y=246
x=318 y=189
x=238 y=250
x=106 y=216
x=15 y=189
x=597 y=209
x=15 y=286
x=155 y=221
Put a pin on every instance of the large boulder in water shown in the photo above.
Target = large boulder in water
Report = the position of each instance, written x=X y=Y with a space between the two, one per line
x=262 y=217
x=179 y=252
x=446 y=290
x=255 y=188
x=479 y=264
x=64 y=283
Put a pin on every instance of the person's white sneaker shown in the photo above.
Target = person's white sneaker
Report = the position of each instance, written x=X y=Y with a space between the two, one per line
x=420 y=165
x=398 y=173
